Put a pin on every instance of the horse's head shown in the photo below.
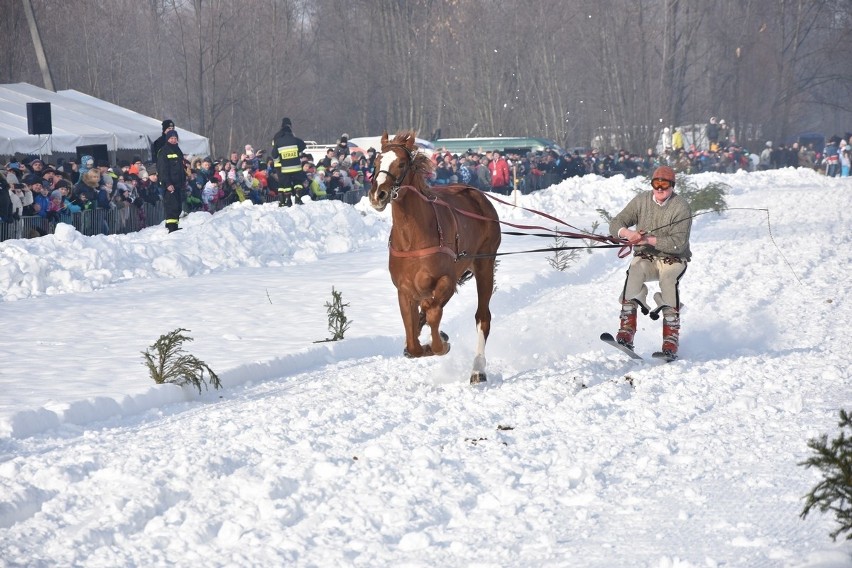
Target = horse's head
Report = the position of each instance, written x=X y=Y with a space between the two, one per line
x=394 y=167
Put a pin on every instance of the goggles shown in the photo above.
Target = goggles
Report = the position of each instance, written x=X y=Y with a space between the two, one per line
x=661 y=184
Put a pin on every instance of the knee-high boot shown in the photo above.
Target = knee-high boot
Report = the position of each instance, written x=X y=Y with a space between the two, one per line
x=627 y=324
x=671 y=331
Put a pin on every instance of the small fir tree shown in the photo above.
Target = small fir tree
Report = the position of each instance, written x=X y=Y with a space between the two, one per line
x=834 y=492
x=168 y=363
x=338 y=323
x=562 y=259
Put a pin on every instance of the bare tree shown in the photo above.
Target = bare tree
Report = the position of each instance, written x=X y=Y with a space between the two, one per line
x=617 y=70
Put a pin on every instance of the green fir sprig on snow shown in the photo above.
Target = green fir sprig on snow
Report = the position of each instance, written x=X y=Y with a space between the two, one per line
x=338 y=323
x=168 y=363
x=834 y=492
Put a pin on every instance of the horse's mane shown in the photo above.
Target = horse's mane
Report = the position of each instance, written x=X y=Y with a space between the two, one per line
x=422 y=167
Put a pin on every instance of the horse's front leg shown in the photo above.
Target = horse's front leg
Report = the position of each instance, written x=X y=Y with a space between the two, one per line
x=433 y=309
x=411 y=321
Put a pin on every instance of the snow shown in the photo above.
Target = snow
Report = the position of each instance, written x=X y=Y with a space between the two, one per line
x=347 y=454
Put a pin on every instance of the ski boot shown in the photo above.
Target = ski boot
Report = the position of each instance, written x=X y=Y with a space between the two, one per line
x=671 y=332
x=627 y=327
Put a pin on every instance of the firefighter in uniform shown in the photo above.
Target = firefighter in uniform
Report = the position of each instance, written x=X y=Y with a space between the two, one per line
x=170 y=167
x=286 y=149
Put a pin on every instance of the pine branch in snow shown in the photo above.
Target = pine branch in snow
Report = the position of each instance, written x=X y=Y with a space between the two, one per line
x=338 y=323
x=834 y=492
x=170 y=364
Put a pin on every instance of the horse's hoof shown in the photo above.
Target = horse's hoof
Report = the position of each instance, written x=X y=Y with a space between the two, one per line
x=478 y=377
x=444 y=336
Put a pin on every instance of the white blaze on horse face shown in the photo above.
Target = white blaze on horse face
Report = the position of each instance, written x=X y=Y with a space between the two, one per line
x=388 y=159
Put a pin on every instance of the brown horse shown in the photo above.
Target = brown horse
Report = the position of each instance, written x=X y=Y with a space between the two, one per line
x=440 y=237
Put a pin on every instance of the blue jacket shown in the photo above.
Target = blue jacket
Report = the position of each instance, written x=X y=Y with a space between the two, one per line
x=43 y=203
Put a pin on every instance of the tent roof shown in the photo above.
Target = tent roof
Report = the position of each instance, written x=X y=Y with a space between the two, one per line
x=79 y=120
x=190 y=142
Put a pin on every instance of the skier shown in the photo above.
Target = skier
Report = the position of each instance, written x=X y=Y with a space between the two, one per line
x=662 y=221
x=286 y=149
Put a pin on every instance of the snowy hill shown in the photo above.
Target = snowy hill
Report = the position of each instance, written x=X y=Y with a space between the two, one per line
x=346 y=453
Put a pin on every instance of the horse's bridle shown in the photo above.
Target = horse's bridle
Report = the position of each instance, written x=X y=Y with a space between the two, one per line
x=397 y=182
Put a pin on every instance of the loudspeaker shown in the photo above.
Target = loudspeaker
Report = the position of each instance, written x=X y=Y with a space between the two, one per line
x=39 y=120
x=96 y=151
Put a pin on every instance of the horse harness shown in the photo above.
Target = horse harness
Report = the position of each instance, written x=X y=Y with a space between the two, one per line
x=441 y=247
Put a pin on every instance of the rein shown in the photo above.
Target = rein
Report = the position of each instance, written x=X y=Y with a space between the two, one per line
x=624 y=249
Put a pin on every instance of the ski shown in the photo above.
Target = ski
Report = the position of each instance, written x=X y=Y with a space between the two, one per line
x=609 y=339
x=664 y=356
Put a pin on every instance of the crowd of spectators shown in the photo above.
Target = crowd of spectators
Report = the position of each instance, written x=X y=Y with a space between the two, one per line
x=56 y=192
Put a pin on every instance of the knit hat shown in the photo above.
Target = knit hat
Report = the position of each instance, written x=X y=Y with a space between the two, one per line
x=168 y=123
x=172 y=133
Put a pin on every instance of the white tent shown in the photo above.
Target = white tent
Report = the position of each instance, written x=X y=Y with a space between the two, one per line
x=190 y=142
x=79 y=120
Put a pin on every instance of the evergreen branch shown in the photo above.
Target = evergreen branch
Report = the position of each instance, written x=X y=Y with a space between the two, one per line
x=170 y=364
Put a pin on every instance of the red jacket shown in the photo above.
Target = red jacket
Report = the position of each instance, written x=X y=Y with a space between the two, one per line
x=499 y=172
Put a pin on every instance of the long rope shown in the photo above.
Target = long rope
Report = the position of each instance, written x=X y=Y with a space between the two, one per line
x=768 y=230
x=625 y=248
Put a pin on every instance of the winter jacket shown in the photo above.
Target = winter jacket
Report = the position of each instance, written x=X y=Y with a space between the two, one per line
x=286 y=149
x=170 y=167
x=671 y=223
x=499 y=169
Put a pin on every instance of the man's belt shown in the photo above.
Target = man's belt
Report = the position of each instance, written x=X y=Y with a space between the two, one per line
x=665 y=259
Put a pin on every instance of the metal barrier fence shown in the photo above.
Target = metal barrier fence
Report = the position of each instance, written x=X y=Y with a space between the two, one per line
x=92 y=222
x=112 y=221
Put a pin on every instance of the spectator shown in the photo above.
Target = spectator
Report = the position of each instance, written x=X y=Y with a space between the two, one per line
x=61 y=208
x=499 y=174
x=483 y=174
x=677 y=140
x=831 y=157
x=326 y=161
x=88 y=185
x=778 y=157
x=41 y=200
x=464 y=174
x=209 y=195
x=14 y=173
x=32 y=183
x=336 y=186
x=6 y=209
x=724 y=135
x=316 y=185
x=843 y=158
x=342 y=149
x=16 y=195
x=359 y=182
x=712 y=132
x=765 y=162
x=443 y=172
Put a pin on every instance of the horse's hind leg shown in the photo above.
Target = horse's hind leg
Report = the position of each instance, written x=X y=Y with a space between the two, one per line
x=484 y=272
